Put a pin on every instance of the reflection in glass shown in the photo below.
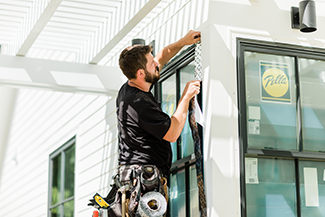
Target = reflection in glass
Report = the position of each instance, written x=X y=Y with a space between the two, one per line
x=69 y=209
x=312 y=188
x=270 y=189
x=186 y=74
x=62 y=189
x=69 y=172
x=271 y=101
x=194 y=193
x=169 y=103
x=312 y=89
x=177 y=194
x=55 y=212
x=56 y=180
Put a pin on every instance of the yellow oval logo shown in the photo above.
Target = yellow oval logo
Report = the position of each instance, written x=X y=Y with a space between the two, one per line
x=275 y=82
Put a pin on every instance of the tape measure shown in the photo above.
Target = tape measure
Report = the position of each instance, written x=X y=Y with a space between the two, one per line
x=100 y=201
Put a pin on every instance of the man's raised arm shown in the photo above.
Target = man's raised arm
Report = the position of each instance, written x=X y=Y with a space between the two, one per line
x=171 y=50
x=191 y=89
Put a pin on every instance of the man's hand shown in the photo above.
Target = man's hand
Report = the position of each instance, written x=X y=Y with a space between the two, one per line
x=178 y=119
x=191 y=37
x=191 y=89
x=169 y=51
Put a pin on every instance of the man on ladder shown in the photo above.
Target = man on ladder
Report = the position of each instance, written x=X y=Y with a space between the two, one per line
x=145 y=131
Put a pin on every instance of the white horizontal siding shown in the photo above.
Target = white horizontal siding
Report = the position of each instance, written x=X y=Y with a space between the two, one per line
x=97 y=155
x=42 y=122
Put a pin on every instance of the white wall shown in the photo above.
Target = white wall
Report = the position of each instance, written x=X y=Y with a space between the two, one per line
x=43 y=121
x=266 y=20
x=97 y=153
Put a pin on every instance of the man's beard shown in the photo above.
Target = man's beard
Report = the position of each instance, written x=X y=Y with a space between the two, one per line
x=151 y=78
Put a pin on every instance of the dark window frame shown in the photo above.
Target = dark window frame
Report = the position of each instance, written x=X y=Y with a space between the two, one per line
x=272 y=48
x=173 y=68
x=60 y=151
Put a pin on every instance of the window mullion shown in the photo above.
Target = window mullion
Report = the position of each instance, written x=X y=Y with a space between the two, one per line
x=50 y=187
x=187 y=191
x=62 y=202
x=241 y=100
x=298 y=106
x=68 y=199
x=298 y=188
x=178 y=96
x=62 y=183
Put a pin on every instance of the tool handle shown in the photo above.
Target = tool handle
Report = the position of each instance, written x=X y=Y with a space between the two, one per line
x=95 y=213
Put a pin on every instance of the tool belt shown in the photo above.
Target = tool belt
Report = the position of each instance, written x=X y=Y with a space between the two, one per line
x=138 y=190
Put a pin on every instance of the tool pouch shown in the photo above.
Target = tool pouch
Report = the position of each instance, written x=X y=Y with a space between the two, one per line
x=134 y=199
x=141 y=179
x=130 y=175
x=149 y=178
x=115 y=208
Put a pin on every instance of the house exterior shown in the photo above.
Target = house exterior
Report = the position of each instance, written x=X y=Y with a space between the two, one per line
x=262 y=102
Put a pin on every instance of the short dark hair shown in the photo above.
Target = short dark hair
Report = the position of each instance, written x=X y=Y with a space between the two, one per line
x=134 y=58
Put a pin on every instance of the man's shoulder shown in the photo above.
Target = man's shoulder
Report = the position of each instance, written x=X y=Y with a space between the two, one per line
x=125 y=91
x=135 y=98
x=123 y=87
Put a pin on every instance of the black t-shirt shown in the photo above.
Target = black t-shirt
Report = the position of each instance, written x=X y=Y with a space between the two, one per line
x=142 y=125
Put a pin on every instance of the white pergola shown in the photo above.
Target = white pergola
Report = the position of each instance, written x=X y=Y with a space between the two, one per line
x=81 y=32
x=66 y=45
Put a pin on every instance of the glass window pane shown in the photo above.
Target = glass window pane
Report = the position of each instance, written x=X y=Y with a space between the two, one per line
x=169 y=103
x=69 y=208
x=56 y=180
x=168 y=87
x=312 y=188
x=55 y=212
x=194 y=193
x=186 y=74
x=69 y=172
x=271 y=101
x=312 y=89
x=186 y=140
x=270 y=187
x=177 y=194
